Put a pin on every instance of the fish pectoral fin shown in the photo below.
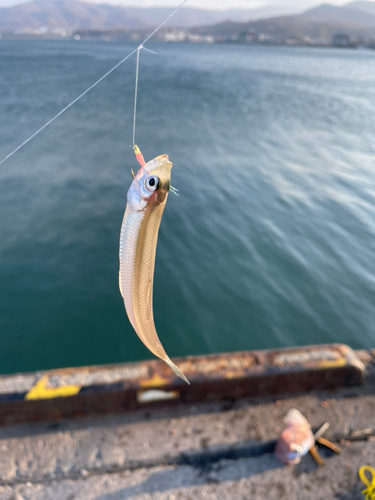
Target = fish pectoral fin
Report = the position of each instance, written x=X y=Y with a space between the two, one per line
x=119 y=284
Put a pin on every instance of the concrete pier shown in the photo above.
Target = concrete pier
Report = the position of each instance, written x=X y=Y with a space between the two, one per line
x=173 y=449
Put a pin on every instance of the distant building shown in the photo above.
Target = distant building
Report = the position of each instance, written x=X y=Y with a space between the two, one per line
x=175 y=36
x=341 y=40
x=249 y=36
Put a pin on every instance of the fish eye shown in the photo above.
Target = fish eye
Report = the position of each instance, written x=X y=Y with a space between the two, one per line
x=152 y=183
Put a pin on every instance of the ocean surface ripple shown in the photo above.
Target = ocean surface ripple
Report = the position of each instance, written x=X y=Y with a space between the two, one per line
x=271 y=242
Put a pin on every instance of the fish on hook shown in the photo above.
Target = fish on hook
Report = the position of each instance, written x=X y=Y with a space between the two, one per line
x=146 y=201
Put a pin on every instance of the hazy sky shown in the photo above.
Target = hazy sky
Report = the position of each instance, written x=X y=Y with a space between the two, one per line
x=226 y=4
x=209 y=4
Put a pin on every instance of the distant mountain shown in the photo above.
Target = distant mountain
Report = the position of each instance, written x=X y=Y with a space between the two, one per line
x=74 y=14
x=327 y=13
x=318 y=24
x=189 y=17
x=361 y=5
x=66 y=14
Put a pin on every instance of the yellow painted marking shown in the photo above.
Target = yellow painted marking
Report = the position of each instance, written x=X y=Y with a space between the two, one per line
x=40 y=391
x=155 y=381
x=332 y=363
x=230 y=375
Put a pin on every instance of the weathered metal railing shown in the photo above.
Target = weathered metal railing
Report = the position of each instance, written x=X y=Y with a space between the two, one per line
x=71 y=392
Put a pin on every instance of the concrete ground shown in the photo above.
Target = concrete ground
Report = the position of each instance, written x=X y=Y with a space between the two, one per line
x=205 y=452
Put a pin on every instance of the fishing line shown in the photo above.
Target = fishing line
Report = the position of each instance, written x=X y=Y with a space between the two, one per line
x=96 y=83
x=136 y=94
x=136 y=88
x=137 y=152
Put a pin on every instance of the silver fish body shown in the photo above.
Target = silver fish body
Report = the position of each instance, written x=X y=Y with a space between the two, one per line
x=146 y=200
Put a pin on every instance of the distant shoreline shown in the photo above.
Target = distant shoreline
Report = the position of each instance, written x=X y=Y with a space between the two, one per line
x=184 y=42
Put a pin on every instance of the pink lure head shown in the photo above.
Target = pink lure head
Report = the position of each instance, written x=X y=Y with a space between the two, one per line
x=139 y=156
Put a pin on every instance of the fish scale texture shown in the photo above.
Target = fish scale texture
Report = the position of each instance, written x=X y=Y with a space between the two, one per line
x=137 y=261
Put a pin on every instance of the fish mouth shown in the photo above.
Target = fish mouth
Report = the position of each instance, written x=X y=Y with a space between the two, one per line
x=160 y=166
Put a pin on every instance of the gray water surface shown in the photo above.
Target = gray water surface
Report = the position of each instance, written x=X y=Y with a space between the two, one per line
x=271 y=242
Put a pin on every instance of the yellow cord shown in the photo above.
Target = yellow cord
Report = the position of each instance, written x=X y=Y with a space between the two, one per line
x=369 y=492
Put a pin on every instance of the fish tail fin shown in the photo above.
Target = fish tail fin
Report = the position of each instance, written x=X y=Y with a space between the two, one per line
x=176 y=370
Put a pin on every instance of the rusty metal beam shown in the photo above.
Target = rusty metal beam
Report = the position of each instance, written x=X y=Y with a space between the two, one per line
x=73 y=392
